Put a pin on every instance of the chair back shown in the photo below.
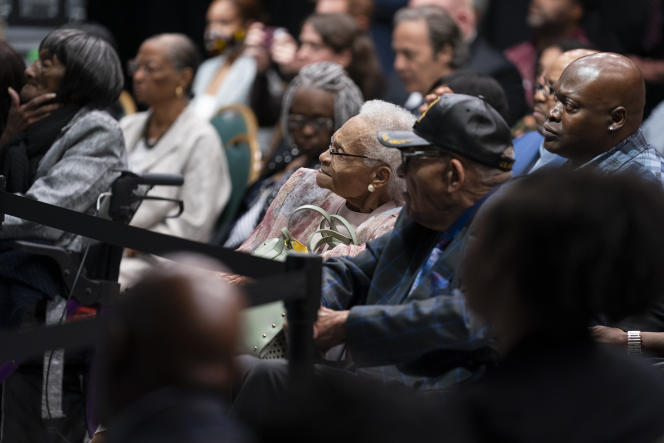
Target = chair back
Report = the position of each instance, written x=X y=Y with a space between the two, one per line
x=237 y=127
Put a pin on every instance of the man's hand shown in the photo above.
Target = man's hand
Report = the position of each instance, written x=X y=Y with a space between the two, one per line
x=21 y=116
x=604 y=334
x=429 y=98
x=330 y=328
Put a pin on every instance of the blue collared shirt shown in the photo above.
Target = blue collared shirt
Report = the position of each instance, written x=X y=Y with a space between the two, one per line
x=632 y=154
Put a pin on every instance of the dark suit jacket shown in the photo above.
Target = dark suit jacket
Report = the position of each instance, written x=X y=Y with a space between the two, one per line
x=486 y=60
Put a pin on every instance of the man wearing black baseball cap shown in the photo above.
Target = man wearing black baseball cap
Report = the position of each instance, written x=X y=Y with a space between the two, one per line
x=395 y=306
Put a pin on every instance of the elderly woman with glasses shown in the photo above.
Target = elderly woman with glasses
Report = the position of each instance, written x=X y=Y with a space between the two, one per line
x=171 y=138
x=357 y=180
x=317 y=102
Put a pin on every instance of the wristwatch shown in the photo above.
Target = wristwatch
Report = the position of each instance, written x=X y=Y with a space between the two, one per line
x=633 y=342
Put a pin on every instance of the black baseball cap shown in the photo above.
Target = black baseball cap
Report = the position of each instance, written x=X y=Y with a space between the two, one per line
x=461 y=124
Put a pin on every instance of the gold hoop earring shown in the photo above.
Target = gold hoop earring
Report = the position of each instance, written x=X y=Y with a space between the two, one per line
x=371 y=188
x=179 y=91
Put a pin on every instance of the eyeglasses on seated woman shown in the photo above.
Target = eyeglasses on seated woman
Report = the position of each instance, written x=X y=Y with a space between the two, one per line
x=357 y=180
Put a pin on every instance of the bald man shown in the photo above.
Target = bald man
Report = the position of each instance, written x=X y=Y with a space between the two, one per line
x=597 y=116
x=167 y=362
x=529 y=148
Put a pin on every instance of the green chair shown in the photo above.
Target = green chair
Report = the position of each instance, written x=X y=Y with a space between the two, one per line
x=237 y=127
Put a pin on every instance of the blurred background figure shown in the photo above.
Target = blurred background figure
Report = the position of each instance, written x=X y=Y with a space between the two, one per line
x=482 y=57
x=539 y=271
x=171 y=138
x=11 y=76
x=168 y=357
x=550 y=20
x=318 y=101
x=331 y=37
x=59 y=146
x=360 y=10
x=225 y=78
x=427 y=45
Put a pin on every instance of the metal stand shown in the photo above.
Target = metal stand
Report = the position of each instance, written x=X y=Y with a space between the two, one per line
x=301 y=314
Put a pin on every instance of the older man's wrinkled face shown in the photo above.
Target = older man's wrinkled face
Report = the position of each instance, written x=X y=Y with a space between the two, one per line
x=415 y=62
x=427 y=200
x=581 y=116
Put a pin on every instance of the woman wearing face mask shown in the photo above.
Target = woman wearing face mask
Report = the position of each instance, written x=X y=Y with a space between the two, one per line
x=227 y=77
x=171 y=138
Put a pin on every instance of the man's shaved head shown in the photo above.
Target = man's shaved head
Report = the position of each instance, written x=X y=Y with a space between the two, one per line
x=600 y=103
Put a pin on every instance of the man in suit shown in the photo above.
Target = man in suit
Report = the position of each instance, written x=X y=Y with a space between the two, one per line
x=427 y=45
x=529 y=152
x=483 y=58
x=395 y=306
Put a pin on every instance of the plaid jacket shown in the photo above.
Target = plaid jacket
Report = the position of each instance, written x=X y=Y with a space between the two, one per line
x=392 y=322
x=632 y=154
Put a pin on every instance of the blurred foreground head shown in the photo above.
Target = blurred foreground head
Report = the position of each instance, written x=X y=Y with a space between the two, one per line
x=178 y=327
x=560 y=247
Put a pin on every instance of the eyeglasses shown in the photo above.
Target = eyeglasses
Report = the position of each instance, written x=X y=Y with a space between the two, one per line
x=297 y=121
x=334 y=152
x=406 y=156
x=545 y=89
x=150 y=68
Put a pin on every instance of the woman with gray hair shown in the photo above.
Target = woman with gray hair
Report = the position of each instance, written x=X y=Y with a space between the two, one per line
x=171 y=138
x=357 y=180
x=317 y=102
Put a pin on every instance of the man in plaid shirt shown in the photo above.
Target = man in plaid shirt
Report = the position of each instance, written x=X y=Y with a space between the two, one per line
x=396 y=306
x=596 y=120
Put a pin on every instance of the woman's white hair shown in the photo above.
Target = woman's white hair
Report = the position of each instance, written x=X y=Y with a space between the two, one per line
x=383 y=116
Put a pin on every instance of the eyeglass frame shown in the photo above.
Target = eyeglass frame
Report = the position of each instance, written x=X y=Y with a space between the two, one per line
x=406 y=156
x=546 y=89
x=309 y=120
x=133 y=66
x=344 y=154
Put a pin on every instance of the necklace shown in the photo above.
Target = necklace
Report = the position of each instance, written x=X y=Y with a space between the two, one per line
x=150 y=142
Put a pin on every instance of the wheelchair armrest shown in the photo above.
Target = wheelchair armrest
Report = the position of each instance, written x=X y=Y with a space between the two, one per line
x=125 y=198
x=66 y=260
x=87 y=292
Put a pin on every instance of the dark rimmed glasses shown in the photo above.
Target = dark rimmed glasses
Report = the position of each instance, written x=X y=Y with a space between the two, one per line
x=406 y=156
x=334 y=152
x=297 y=121
x=545 y=89
x=150 y=68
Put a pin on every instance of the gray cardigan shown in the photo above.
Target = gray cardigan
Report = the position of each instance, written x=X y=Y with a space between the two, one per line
x=81 y=164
